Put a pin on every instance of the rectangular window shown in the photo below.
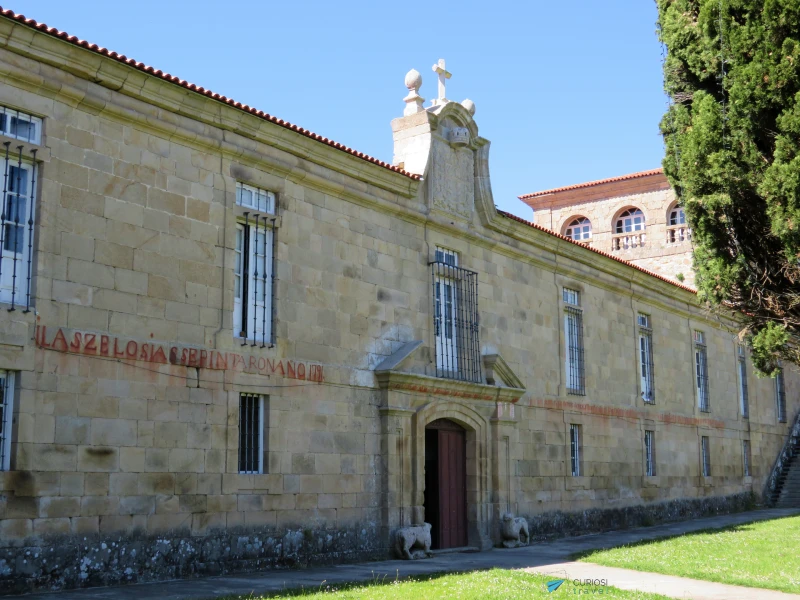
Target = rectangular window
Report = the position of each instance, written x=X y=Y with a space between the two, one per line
x=650 y=453
x=701 y=370
x=21 y=126
x=573 y=339
x=252 y=438
x=780 y=397
x=705 y=456
x=6 y=418
x=253 y=267
x=455 y=318
x=647 y=381
x=16 y=228
x=744 y=404
x=575 y=449
x=746 y=457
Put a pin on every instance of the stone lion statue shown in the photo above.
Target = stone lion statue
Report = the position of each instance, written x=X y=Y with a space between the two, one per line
x=515 y=531
x=414 y=542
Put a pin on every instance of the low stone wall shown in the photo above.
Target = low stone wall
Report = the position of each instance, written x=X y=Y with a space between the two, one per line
x=558 y=524
x=64 y=562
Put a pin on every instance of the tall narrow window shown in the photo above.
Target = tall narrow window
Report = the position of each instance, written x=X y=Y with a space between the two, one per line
x=701 y=370
x=575 y=449
x=16 y=226
x=705 y=456
x=252 y=438
x=780 y=397
x=744 y=405
x=6 y=417
x=573 y=339
x=455 y=318
x=253 y=267
x=649 y=453
x=647 y=381
x=746 y=457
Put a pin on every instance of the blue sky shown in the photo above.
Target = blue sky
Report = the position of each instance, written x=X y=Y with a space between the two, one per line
x=566 y=91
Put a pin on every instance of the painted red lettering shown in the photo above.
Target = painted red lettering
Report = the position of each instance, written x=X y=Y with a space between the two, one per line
x=193 y=357
x=184 y=355
x=104 y=345
x=131 y=350
x=60 y=339
x=117 y=352
x=91 y=347
x=301 y=371
x=203 y=358
x=222 y=363
x=290 y=370
x=262 y=364
x=237 y=360
x=75 y=346
x=145 y=352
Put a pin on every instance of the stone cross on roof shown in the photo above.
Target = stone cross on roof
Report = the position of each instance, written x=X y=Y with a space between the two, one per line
x=444 y=75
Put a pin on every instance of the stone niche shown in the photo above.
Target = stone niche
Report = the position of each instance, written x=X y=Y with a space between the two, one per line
x=442 y=144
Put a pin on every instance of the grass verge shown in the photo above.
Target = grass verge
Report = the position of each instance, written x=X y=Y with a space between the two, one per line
x=763 y=554
x=496 y=584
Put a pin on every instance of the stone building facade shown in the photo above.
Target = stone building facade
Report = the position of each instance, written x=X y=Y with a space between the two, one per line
x=603 y=214
x=233 y=344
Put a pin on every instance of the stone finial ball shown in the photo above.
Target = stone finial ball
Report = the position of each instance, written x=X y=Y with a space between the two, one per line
x=470 y=106
x=413 y=80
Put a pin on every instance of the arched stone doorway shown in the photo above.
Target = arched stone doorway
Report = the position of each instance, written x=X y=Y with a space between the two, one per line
x=446 y=483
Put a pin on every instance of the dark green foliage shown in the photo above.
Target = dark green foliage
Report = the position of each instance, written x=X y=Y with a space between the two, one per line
x=733 y=156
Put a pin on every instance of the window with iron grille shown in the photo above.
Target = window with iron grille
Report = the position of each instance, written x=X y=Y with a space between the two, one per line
x=746 y=457
x=705 y=456
x=701 y=370
x=650 y=453
x=647 y=381
x=780 y=397
x=455 y=319
x=573 y=340
x=744 y=404
x=252 y=433
x=575 y=449
x=6 y=418
x=253 y=267
x=17 y=217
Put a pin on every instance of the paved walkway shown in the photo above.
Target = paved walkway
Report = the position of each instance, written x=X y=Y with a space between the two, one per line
x=552 y=558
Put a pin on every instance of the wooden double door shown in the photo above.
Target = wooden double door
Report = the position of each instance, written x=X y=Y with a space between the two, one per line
x=446 y=483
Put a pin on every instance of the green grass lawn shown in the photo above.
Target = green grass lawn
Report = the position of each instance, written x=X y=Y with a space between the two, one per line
x=497 y=584
x=763 y=555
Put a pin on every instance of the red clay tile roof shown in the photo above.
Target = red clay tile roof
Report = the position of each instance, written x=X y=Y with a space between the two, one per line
x=578 y=186
x=606 y=254
x=195 y=88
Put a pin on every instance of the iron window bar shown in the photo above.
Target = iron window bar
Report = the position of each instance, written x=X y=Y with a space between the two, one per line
x=650 y=458
x=646 y=360
x=6 y=415
x=701 y=371
x=19 y=125
x=706 y=456
x=251 y=433
x=576 y=377
x=253 y=254
x=746 y=457
x=743 y=395
x=456 y=321
x=575 y=449
x=780 y=396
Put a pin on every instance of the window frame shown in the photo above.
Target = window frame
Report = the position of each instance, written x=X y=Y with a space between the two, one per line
x=575 y=449
x=246 y=449
x=254 y=266
x=705 y=455
x=747 y=458
x=645 y=352
x=650 y=453
x=574 y=347
x=741 y=372
x=7 y=407
x=6 y=116
x=780 y=396
x=701 y=371
x=579 y=225
x=632 y=213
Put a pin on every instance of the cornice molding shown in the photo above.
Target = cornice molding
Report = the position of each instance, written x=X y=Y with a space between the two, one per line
x=435 y=386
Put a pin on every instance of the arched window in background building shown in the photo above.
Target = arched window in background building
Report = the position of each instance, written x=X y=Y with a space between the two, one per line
x=579 y=229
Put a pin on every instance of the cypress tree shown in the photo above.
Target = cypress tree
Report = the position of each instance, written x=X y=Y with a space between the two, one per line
x=732 y=137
